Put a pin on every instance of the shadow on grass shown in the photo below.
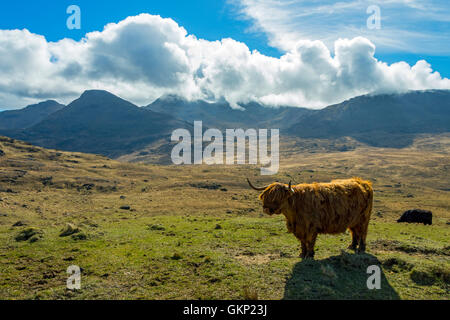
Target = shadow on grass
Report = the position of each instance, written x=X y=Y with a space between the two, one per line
x=338 y=277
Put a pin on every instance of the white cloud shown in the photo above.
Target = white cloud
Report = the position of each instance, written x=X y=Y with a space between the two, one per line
x=419 y=26
x=144 y=57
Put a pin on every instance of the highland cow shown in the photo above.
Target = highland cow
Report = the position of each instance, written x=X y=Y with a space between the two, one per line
x=417 y=216
x=328 y=208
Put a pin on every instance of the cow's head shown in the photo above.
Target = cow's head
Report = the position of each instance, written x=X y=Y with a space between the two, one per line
x=273 y=196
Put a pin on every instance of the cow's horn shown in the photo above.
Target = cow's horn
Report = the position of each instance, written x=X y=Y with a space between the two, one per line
x=290 y=187
x=256 y=188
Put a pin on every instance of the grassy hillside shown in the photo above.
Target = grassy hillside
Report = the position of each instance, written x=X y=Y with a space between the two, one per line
x=197 y=232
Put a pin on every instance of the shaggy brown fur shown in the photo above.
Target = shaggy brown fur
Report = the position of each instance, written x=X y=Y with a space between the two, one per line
x=316 y=208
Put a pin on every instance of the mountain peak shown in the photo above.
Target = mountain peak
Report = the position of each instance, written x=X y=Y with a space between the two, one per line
x=28 y=116
x=96 y=94
x=45 y=104
x=100 y=98
x=171 y=97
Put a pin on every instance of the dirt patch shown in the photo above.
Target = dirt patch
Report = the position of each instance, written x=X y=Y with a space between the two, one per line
x=30 y=234
x=397 y=265
x=431 y=276
x=68 y=230
x=209 y=186
x=256 y=259
x=353 y=261
x=393 y=245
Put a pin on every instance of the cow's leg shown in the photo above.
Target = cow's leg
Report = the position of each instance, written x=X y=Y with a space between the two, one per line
x=362 y=245
x=310 y=246
x=362 y=239
x=355 y=239
x=304 y=250
x=290 y=226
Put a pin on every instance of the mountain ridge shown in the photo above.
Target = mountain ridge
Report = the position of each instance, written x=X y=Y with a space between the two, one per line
x=373 y=118
x=103 y=123
x=29 y=115
x=220 y=114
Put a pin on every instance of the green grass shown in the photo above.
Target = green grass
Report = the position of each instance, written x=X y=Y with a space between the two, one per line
x=191 y=258
x=181 y=240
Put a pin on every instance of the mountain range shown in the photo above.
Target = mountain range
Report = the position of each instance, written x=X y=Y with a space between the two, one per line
x=102 y=123
x=99 y=122
x=220 y=114
x=387 y=120
x=28 y=116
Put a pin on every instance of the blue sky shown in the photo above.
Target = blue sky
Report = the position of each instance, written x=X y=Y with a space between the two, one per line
x=310 y=53
x=211 y=20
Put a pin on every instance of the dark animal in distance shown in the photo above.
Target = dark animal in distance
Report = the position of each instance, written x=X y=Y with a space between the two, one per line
x=417 y=216
x=329 y=208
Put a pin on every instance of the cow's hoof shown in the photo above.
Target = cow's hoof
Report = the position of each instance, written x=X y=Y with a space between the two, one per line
x=351 y=247
x=308 y=256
